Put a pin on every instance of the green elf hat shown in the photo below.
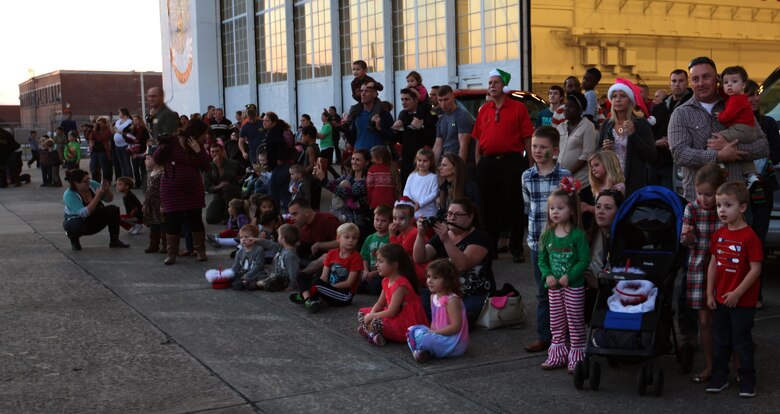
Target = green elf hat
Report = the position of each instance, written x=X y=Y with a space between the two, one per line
x=505 y=77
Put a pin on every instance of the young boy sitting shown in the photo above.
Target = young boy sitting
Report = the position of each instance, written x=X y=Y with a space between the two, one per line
x=285 y=260
x=732 y=289
x=248 y=265
x=134 y=215
x=370 y=283
x=340 y=274
x=539 y=182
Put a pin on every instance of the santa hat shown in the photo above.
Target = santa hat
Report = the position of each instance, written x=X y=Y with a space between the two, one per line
x=404 y=201
x=505 y=77
x=632 y=91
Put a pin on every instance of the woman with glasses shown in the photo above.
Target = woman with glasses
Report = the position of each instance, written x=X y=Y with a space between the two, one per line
x=85 y=213
x=469 y=249
x=628 y=133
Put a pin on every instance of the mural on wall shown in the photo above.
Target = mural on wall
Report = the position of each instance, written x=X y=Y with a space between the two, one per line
x=180 y=39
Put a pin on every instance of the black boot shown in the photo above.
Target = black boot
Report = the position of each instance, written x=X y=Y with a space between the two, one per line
x=75 y=244
x=115 y=242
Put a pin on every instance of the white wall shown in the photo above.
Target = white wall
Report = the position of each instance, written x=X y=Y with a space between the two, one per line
x=313 y=96
x=236 y=99
x=274 y=97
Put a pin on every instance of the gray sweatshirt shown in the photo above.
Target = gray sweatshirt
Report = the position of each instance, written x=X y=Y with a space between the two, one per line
x=249 y=263
x=285 y=260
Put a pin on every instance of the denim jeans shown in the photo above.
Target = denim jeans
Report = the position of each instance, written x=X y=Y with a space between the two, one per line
x=279 y=185
x=100 y=166
x=542 y=302
x=731 y=328
x=122 y=158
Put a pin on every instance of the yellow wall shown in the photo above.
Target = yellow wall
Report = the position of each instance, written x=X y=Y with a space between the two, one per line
x=644 y=40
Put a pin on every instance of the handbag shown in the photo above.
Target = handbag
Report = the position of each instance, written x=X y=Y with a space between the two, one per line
x=504 y=308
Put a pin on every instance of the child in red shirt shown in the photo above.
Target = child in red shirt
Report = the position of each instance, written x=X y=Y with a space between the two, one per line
x=382 y=181
x=732 y=289
x=739 y=121
x=340 y=276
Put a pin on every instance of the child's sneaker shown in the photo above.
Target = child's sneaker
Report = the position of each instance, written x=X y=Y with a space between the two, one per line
x=313 y=305
x=747 y=388
x=136 y=229
x=376 y=339
x=717 y=385
x=421 y=356
x=296 y=298
x=363 y=331
x=756 y=190
x=212 y=239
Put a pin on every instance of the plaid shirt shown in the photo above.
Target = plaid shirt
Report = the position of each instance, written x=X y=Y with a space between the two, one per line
x=689 y=129
x=704 y=223
x=536 y=189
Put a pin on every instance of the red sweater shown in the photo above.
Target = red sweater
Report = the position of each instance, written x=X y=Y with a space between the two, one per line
x=379 y=183
x=738 y=111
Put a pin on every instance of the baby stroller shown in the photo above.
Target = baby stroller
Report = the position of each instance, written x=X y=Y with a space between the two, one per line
x=633 y=319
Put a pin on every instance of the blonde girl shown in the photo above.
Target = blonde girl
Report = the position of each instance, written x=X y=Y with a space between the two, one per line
x=422 y=186
x=449 y=332
x=604 y=173
x=398 y=306
x=564 y=256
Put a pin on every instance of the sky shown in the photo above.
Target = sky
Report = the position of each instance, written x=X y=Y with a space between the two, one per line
x=42 y=36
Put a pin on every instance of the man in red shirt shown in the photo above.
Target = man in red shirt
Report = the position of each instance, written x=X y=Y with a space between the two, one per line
x=503 y=130
x=318 y=230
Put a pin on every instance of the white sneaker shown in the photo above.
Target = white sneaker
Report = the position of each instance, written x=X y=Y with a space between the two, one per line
x=136 y=229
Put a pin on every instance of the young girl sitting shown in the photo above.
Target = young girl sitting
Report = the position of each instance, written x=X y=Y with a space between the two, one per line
x=422 y=186
x=700 y=220
x=604 y=173
x=563 y=257
x=399 y=306
x=403 y=231
x=382 y=181
x=449 y=332
x=238 y=218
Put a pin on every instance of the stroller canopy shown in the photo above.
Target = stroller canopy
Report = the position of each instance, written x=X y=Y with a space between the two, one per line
x=645 y=194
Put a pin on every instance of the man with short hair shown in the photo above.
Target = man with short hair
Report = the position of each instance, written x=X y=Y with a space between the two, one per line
x=414 y=129
x=68 y=124
x=433 y=95
x=161 y=119
x=35 y=149
x=503 y=130
x=453 y=131
x=252 y=135
x=370 y=124
x=209 y=115
x=318 y=229
x=220 y=126
x=546 y=115
x=590 y=80
x=694 y=129
x=662 y=171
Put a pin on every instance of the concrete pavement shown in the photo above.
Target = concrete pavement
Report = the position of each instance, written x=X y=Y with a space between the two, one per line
x=113 y=330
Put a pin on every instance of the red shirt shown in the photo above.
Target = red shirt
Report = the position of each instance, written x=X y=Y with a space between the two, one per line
x=321 y=229
x=738 y=111
x=341 y=267
x=407 y=242
x=733 y=250
x=380 y=187
x=505 y=135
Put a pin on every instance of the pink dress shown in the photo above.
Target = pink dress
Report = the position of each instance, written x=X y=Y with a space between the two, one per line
x=420 y=338
x=411 y=313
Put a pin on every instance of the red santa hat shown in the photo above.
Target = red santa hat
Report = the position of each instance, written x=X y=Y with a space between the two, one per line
x=632 y=91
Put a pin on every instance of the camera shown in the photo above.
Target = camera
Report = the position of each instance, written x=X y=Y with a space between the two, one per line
x=431 y=221
x=164 y=138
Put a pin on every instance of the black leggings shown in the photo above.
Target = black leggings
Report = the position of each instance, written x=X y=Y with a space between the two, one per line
x=175 y=220
x=97 y=221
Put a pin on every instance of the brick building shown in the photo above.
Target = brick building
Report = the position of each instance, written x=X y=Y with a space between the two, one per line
x=86 y=94
x=9 y=116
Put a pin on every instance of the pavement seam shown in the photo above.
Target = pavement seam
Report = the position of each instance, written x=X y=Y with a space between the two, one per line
x=168 y=337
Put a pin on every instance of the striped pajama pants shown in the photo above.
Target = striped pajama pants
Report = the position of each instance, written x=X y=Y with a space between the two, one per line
x=567 y=324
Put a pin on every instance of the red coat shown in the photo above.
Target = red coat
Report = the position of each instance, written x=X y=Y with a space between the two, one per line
x=738 y=111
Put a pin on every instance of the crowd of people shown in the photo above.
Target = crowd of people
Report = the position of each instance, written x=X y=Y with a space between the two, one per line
x=422 y=203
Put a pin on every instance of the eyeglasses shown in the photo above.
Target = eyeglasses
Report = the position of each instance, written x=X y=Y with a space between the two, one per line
x=456 y=214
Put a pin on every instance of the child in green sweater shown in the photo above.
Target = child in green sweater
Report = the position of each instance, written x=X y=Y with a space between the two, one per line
x=564 y=255
x=72 y=152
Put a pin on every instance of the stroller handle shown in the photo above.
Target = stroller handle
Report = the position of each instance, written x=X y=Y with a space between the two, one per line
x=622 y=276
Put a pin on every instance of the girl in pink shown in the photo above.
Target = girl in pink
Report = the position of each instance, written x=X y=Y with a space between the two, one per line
x=449 y=332
x=399 y=306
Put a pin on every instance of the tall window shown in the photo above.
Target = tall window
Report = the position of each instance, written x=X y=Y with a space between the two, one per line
x=362 y=37
x=235 y=63
x=270 y=29
x=488 y=30
x=418 y=34
x=312 y=39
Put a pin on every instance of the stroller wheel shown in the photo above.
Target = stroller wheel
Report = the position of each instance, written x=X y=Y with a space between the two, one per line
x=659 y=382
x=594 y=376
x=641 y=380
x=579 y=375
x=686 y=358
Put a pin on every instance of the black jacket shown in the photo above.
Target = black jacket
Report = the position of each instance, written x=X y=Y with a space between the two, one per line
x=640 y=153
x=662 y=114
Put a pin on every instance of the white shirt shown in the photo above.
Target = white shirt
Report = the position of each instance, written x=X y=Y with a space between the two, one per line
x=423 y=190
x=120 y=126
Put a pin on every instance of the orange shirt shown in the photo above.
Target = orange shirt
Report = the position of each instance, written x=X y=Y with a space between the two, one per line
x=502 y=131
